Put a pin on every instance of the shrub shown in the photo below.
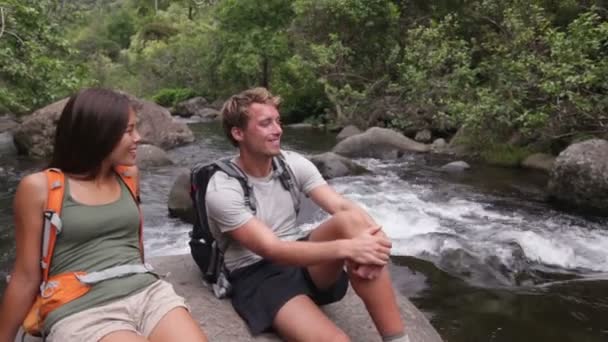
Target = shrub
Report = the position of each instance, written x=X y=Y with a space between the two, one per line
x=170 y=97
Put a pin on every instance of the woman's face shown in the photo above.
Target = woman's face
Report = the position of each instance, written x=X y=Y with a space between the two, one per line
x=125 y=152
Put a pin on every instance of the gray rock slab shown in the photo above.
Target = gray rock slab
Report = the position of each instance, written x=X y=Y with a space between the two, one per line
x=221 y=322
x=376 y=142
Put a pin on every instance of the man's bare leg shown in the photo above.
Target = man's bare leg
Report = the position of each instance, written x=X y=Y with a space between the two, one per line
x=377 y=294
x=300 y=319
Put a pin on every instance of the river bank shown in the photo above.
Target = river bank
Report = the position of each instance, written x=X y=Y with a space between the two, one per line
x=477 y=251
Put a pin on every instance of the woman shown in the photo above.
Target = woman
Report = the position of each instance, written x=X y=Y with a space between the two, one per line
x=100 y=222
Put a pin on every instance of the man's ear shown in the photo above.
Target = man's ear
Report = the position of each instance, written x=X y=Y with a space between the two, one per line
x=237 y=133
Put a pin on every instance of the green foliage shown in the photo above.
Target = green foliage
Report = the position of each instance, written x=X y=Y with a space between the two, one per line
x=120 y=28
x=37 y=62
x=252 y=40
x=503 y=155
x=498 y=67
x=171 y=97
x=157 y=30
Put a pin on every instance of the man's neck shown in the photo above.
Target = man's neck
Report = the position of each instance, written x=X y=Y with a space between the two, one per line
x=256 y=166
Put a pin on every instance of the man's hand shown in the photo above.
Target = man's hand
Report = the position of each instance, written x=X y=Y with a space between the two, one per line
x=369 y=248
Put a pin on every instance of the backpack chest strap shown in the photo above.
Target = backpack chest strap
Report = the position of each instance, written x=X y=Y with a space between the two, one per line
x=114 y=272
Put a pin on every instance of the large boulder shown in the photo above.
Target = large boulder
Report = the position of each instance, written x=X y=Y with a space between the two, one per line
x=151 y=156
x=180 y=203
x=191 y=107
x=332 y=165
x=157 y=127
x=36 y=134
x=539 y=161
x=221 y=323
x=376 y=142
x=579 y=177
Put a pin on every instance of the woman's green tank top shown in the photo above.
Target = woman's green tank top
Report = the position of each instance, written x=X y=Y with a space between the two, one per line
x=93 y=238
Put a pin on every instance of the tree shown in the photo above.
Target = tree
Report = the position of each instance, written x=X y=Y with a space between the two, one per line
x=35 y=61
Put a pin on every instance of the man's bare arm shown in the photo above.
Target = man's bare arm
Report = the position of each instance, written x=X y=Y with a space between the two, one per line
x=365 y=249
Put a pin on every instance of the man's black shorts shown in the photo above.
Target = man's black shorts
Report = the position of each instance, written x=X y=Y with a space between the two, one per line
x=261 y=289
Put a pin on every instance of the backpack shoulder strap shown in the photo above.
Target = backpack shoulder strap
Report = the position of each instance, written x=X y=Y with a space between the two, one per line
x=52 y=223
x=288 y=179
x=232 y=170
x=128 y=174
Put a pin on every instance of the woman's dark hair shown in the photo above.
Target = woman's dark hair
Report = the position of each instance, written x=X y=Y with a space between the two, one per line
x=91 y=125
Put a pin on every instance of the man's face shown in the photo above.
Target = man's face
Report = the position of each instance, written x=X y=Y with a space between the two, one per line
x=262 y=135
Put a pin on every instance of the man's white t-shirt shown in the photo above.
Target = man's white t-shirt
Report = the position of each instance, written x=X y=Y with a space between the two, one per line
x=226 y=208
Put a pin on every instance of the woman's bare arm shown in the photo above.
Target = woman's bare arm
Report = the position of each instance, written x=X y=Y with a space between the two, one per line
x=28 y=207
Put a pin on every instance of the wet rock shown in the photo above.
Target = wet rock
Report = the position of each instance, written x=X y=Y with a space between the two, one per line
x=439 y=145
x=301 y=125
x=348 y=131
x=458 y=144
x=35 y=136
x=191 y=107
x=579 y=177
x=7 y=147
x=539 y=161
x=151 y=156
x=423 y=136
x=210 y=114
x=180 y=203
x=217 y=104
x=332 y=165
x=457 y=166
x=381 y=143
x=8 y=122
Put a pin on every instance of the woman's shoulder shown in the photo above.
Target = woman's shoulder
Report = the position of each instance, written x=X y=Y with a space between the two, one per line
x=34 y=181
x=33 y=187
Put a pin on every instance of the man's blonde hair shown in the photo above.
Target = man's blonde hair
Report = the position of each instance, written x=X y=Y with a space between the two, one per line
x=235 y=109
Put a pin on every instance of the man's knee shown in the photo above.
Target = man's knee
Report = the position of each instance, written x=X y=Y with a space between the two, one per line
x=350 y=222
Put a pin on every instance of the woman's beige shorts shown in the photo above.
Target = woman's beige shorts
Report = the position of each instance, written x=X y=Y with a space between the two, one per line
x=138 y=313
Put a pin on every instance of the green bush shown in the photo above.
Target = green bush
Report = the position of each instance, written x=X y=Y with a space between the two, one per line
x=504 y=155
x=171 y=97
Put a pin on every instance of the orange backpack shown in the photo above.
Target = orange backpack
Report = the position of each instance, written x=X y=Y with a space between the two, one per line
x=65 y=287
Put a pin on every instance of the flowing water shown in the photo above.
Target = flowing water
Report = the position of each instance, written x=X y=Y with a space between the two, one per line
x=480 y=252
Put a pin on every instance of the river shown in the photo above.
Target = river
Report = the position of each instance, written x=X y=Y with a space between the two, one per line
x=479 y=252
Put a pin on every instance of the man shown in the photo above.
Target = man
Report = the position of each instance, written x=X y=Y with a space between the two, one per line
x=280 y=274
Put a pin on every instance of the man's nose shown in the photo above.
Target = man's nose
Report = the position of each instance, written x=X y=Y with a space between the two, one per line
x=277 y=128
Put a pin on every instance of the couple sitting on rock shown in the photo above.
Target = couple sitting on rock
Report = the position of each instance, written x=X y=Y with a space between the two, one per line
x=84 y=213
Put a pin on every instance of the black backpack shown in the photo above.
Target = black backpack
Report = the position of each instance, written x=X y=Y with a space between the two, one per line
x=205 y=249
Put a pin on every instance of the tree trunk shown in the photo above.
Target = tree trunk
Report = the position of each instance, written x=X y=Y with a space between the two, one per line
x=265 y=72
